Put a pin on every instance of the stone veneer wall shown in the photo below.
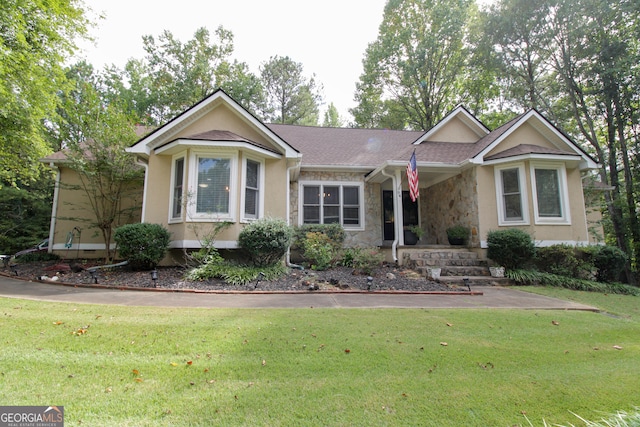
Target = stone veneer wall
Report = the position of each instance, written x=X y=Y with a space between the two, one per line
x=372 y=235
x=448 y=203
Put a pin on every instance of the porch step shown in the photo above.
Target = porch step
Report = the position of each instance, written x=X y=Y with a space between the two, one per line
x=475 y=281
x=448 y=270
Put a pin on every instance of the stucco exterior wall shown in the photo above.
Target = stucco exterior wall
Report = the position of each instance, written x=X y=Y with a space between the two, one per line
x=451 y=202
x=454 y=131
x=371 y=236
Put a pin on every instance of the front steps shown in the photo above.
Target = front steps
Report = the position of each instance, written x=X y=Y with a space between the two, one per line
x=455 y=264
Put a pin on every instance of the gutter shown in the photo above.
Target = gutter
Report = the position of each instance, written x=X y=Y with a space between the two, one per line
x=288 y=212
x=394 y=245
x=54 y=207
x=145 y=165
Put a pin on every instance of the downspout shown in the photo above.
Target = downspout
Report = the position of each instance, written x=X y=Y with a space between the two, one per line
x=288 y=213
x=145 y=165
x=394 y=245
x=54 y=207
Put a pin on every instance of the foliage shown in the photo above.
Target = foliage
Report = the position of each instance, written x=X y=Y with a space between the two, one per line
x=511 y=248
x=458 y=232
x=96 y=133
x=207 y=250
x=414 y=69
x=266 y=240
x=417 y=230
x=319 y=250
x=36 y=38
x=365 y=260
x=25 y=213
x=235 y=274
x=291 y=98
x=610 y=261
x=332 y=117
x=334 y=232
x=536 y=278
x=563 y=260
x=144 y=245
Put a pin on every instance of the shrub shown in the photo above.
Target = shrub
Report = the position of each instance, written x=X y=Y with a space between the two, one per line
x=510 y=248
x=234 y=274
x=562 y=260
x=334 y=232
x=364 y=260
x=537 y=278
x=266 y=240
x=319 y=250
x=610 y=261
x=37 y=256
x=143 y=245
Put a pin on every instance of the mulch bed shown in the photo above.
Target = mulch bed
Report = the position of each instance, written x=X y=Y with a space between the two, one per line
x=340 y=279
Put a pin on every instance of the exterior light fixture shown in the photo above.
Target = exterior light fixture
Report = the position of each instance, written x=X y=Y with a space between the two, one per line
x=154 y=277
x=369 y=282
x=466 y=283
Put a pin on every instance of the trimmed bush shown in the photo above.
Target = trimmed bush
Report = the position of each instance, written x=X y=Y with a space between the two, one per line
x=334 y=232
x=610 y=262
x=319 y=250
x=143 y=245
x=562 y=260
x=266 y=240
x=511 y=248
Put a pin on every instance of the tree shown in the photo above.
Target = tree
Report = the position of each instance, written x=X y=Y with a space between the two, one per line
x=175 y=75
x=36 y=38
x=414 y=69
x=291 y=98
x=332 y=117
x=96 y=133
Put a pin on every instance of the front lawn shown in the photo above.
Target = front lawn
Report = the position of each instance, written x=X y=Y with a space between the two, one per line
x=131 y=366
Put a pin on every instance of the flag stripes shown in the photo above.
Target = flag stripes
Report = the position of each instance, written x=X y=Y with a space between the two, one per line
x=412 y=176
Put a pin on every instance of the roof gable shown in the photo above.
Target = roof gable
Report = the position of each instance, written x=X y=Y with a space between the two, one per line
x=217 y=101
x=459 y=126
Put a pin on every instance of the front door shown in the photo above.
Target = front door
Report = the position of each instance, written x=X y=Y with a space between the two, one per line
x=409 y=213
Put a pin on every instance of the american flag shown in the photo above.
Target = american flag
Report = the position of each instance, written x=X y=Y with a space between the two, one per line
x=412 y=175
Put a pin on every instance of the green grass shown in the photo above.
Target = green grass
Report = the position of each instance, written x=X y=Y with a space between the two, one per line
x=132 y=366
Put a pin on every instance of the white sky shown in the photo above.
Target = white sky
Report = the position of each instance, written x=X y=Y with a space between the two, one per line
x=329 y=37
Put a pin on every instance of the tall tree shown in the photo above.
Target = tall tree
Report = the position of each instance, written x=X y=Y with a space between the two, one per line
x=413 y=71
x=332 y=117
x=96 y=131
x=36 y=37
x=291 y=97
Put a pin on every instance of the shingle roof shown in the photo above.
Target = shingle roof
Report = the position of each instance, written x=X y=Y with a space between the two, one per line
x=223 y=135
x=524 y=149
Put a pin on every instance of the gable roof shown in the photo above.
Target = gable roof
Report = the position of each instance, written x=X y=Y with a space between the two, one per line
x=168 y=132
x=461 y=113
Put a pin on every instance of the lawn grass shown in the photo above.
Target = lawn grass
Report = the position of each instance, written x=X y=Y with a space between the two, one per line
x=132 y=366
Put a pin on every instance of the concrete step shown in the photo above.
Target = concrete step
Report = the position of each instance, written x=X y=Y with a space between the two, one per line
x=442 y=255
x=449 y=262
x=475 y=281
x=458 y=271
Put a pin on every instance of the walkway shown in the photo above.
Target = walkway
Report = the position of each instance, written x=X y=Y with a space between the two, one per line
x=492 y=297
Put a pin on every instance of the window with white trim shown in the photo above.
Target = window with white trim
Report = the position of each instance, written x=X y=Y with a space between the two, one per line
x=177 y=189
x=212 y=189
x=252 y=189
x=511 y=195
x=331 y=203
x=550 y=195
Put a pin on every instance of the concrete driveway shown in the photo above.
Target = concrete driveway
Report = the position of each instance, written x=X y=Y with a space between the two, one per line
x=488 y=297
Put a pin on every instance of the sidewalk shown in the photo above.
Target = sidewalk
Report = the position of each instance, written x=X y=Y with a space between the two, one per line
x=492 y=297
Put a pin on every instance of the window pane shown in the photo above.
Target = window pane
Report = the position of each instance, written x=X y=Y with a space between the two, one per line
x=510 y=181
x=511 y=194
x=252 y=191
x=331 y=214
x=311 y=215
x=177 y=188
x=351 y=216
x=331 y=196
x=351 y=195
x=213 y=185
x=548 y=191
x=512 y=207
x=311 y=195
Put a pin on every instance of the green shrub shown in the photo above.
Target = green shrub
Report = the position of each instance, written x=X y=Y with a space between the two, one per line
x=563 y=260
x=511 y=248
x=234 y=274
x=37 y=256
x=334 y=232
x=143 y=245
x=610 y=262
x=266 y=240
x=537 y=278
x=365 y=260
x=319 y=250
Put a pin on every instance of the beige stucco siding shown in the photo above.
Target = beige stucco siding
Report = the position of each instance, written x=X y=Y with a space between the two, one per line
x=524 y=134
x=454 y=131
x=543 y=234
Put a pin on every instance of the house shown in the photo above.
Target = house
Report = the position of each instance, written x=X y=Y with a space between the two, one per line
x=217 y=162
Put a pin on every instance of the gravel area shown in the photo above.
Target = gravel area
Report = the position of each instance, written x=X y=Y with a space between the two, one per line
x=385 y=278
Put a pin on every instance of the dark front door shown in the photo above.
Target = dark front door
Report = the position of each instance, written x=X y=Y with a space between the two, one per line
x=409 y=213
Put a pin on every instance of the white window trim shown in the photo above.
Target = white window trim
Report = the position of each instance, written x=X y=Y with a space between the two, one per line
x=341 y=184
x=172 y=219
x=194 y=216
x=502 y=220
x=565 y=219
x=261 y=188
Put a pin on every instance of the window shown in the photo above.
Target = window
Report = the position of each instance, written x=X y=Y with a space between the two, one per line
x=332 y=203
x=212 y=194
x=511 y=195
x=178 y=183
x=550 y=196
x=252 y=190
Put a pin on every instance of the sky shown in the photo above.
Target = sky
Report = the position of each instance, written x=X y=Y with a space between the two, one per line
x=329 y=37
